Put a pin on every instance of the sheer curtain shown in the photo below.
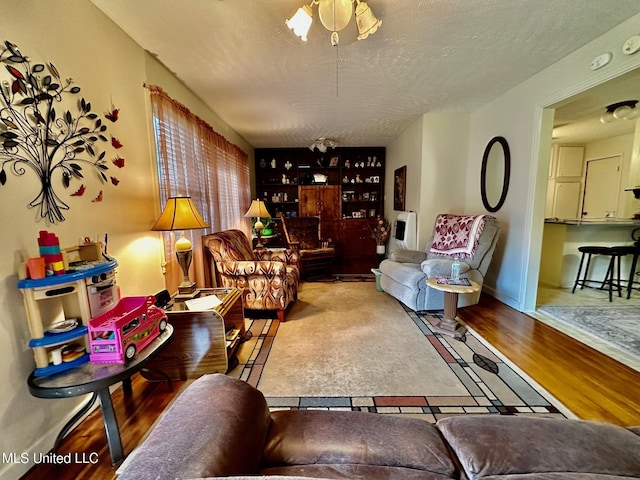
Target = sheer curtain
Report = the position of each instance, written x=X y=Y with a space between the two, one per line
x=194 y=160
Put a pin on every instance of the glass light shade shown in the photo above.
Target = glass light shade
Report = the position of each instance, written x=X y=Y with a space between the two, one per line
x=607 y=117
x=366 y=21
x=622 y=112
x=180 y=214
x=258 y=209
x=633 y=114
x=335 y=14
x=301 y=22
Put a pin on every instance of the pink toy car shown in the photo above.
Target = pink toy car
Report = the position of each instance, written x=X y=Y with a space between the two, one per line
x=116 y=335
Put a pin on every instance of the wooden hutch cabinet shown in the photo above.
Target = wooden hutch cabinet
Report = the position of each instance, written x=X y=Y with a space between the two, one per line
x=322 y=201
x=345 y=186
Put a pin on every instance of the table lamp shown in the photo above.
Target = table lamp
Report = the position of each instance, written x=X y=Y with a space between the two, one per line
x=181 y=214
x=258 y=210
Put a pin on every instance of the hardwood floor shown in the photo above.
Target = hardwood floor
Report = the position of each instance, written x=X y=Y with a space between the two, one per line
x=588 y=383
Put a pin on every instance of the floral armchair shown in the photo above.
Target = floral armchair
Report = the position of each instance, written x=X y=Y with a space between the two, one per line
x=268 y=279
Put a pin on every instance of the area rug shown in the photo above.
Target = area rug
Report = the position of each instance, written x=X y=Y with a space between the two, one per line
x=618 y=326
x=348 y=346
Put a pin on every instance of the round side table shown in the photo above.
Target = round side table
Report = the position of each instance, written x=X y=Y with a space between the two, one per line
x=450 y=324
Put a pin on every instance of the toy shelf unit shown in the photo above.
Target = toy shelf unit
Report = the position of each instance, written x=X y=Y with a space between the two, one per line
x=58 y=313
x=116 y=336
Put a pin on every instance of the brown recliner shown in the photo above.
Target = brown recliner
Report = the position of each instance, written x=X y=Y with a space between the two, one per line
x=305 y=237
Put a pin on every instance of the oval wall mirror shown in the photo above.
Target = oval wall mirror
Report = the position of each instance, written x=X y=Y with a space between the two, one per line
x=494 y=177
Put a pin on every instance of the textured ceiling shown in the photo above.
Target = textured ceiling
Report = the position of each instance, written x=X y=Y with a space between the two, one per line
x=428 y=56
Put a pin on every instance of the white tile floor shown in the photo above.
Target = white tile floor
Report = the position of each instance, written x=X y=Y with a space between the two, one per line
x=586 y=296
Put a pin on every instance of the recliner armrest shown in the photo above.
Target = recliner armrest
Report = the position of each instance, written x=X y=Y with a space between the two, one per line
x=407 y=256
x=435 y=267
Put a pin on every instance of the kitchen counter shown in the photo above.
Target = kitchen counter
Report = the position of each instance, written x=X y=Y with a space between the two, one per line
x=562 y=237
x=610 y=222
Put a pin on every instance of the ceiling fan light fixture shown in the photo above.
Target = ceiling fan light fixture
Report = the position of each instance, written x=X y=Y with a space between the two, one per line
x=335 y=15
x=301 y=21
x=621 y=111
x=322 y=144
x=365 y=19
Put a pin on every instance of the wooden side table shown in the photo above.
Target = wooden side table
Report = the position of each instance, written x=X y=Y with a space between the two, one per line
x=204 y=341
x=450 y=324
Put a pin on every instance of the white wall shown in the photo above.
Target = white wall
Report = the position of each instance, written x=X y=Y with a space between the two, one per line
x=434 y=149
x=109 y=67
x=405 y=151
x=519 y=116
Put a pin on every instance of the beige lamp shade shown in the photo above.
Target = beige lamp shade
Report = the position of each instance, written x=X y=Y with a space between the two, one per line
x=180 y=214
x=258 y=209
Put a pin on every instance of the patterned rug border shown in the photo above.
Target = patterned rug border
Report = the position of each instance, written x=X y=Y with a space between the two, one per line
x=494 y=386
x=574 y=316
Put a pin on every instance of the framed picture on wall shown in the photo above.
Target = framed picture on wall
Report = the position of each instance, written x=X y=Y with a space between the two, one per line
x=399 y=188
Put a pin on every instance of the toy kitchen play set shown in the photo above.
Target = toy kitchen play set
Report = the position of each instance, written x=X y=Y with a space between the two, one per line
x=66 y=288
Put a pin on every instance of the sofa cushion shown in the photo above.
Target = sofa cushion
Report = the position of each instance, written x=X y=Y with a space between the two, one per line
x=216 y=427
x=352 y=471
x=557 y=476
x=308 y=437
x=488 y=445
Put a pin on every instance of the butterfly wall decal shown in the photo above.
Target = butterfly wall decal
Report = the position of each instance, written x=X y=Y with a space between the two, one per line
x=113 y=115
x=79 y=192
x=115 y=143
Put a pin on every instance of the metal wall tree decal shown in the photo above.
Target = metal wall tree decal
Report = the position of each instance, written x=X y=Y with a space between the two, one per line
x=34 y=136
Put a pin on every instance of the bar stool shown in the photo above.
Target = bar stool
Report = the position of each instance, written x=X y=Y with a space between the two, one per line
x=635 y=251
x=611 y=279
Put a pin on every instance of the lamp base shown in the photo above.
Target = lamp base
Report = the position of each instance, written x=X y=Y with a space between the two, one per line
x=182 y=297
x=186 y=288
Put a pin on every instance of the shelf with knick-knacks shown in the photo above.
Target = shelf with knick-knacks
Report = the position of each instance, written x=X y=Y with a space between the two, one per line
x=279 y=172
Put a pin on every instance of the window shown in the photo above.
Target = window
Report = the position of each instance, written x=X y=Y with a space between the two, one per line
x=194 y=160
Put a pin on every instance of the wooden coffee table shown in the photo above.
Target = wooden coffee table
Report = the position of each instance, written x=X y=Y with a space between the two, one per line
x=450 y=323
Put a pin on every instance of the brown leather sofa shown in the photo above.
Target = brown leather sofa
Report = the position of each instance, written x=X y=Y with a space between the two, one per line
x=222 y=427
